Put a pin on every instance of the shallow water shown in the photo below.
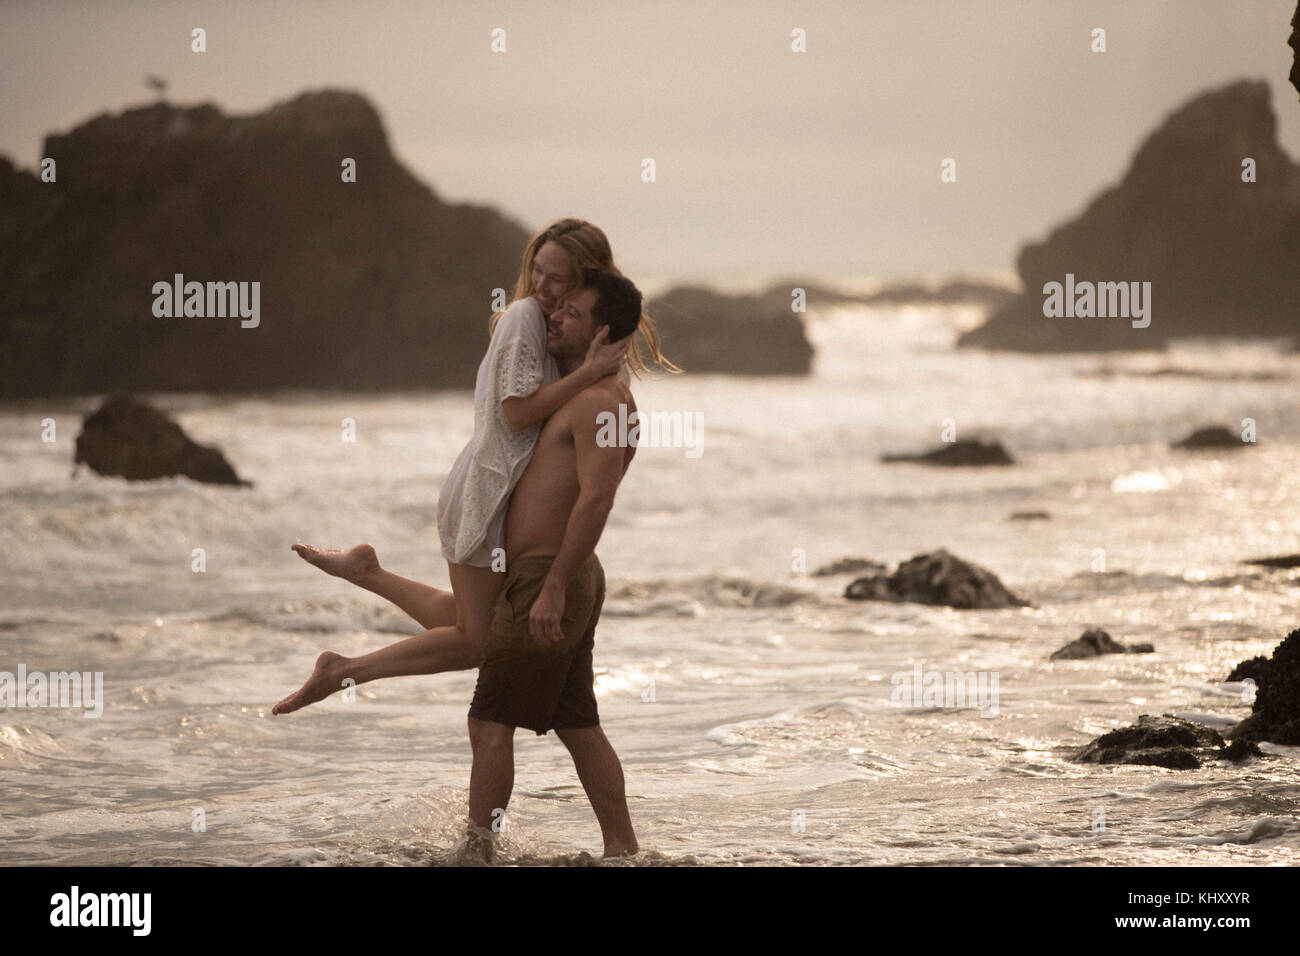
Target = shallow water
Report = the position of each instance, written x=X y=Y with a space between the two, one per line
x=772 y=696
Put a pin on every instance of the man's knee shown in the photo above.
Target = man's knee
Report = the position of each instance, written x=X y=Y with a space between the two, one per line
x=583 y=741
x=489 y=733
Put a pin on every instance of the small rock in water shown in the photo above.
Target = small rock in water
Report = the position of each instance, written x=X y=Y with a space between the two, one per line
x=848 y=566
x=1240 y=750
x=938 y=577
x=1213 y=437
x=1094 y=643
x=1163 y=741
x=132 y=439
x=1281 y=561
x=1029 y=516
x=964 y=452
x=875 y=588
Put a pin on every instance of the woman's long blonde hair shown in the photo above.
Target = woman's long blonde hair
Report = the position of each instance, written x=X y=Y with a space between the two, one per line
x=588 y=248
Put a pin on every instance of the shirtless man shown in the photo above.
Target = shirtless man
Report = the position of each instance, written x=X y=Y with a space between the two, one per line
x=536 y=667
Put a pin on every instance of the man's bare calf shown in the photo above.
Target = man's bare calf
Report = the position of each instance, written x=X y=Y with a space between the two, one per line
x=492 y=778
x=602 y=777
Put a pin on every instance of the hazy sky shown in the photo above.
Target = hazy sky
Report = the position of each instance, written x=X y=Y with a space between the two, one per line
x=768 y=162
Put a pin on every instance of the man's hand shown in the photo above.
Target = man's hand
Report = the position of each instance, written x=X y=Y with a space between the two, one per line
x=544 y=619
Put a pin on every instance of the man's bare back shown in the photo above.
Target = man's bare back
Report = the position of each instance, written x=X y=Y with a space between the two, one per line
x=544 y=498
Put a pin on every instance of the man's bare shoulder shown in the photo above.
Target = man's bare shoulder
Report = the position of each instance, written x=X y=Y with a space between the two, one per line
x=603 y=396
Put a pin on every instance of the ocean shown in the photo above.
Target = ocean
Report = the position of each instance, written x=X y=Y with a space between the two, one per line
x=753 y=707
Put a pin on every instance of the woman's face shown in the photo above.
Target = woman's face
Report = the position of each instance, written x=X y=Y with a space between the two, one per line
x=550 y=276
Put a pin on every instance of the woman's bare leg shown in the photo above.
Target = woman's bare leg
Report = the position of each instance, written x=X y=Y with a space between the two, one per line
x=430 y=607
x=437 y=650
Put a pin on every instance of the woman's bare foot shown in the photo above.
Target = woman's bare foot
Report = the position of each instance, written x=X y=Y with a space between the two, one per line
x=355 y=564
x=324 y=680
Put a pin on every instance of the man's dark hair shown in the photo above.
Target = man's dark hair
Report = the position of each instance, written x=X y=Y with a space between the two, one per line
x=618 y=302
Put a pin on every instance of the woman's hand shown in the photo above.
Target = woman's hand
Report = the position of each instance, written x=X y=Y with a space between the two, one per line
x=604 y=358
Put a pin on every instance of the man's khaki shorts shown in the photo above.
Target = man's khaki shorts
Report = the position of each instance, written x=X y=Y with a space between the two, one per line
x=522 y=683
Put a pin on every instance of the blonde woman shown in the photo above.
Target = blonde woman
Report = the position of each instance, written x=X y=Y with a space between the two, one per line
x=518 y=387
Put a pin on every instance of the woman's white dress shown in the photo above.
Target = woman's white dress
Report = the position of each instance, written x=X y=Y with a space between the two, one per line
x=472 y=505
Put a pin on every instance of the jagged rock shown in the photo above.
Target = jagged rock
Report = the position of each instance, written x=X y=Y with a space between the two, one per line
x=133 y=440
x=1163 y=741
x=1239 y=750
x=706 y=331
x=368 y=285
x=937 y=578
x=1028 y=516
x=1281 y=561
x=1220 y=253
x=964 y=452
x=1211 y=437
x=1275 y=714
x=1094 y=643
x=848 y=566
x=1294 y=43
x=874 y=588
x=1256 y=669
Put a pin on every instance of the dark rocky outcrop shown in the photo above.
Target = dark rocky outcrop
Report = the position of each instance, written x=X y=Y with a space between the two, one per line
x=1220 y=253
x=1275 y=714
x=936 y=578
x=134 y=440
x=1254 y=669
x=1163 y=741
x=705 y=331
x=967 y=452
x=367 y=285
x=1210 y=437
x=849 y=566
x=1294 y=43
x=873 y=587
x=1094 y=643
x=372 y=285
x=1280 y=561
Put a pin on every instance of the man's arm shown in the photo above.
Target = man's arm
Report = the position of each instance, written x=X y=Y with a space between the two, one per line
x=599 y=472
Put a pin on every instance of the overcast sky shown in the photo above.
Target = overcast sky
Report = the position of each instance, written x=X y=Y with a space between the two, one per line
x=768 y=162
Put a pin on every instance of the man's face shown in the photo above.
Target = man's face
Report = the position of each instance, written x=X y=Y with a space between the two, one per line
x=571 y=327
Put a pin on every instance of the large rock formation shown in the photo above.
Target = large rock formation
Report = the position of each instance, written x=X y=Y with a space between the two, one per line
x=1221 y=254
x=705 y=331
x=375 y=284
x=1211 y=436
x=1095 y=642
x=364 y=285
